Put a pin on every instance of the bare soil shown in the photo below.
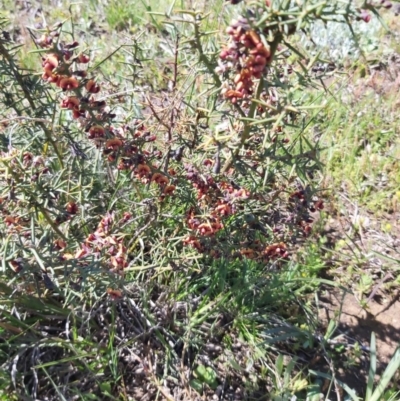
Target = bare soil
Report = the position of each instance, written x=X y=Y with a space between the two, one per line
x=381 y=316
x=355 y=324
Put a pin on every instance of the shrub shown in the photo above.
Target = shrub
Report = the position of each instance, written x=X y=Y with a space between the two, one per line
x=188 y=179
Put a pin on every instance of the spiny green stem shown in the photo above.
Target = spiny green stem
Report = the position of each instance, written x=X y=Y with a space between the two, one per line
x=18 y=77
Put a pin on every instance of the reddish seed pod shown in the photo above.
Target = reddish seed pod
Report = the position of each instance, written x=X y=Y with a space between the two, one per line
x=233 y=93
x=253 y=36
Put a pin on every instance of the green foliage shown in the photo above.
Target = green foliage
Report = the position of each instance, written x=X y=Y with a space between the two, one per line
x=122 y=15
x=390 y=371
x=205 y=375
x=361 y=144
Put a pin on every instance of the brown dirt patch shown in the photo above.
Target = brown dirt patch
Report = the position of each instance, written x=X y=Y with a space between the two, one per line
x=355 y=324
x=382 y=316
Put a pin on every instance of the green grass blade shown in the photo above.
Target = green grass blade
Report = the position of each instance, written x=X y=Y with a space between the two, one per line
x=62 y=398
x=389 y=372
x=348 y=390
x=372 y=367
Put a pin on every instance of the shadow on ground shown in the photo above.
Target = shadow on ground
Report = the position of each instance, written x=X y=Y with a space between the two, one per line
x=355 y=324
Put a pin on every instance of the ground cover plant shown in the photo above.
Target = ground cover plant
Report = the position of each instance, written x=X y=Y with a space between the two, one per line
x=169 y=199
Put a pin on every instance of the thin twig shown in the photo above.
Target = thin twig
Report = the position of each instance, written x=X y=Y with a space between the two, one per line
x=246 y=130
x=37 y=120
x=173 y=110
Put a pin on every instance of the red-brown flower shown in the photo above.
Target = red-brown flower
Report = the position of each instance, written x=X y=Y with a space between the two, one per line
x=277 y=250
x=68 y=83
x=206 y=229
x=248 y=253
x=83 y=58
x=114 y=294
x=92 y=87
x=193 y=241
x=72 y=208
x=224 y=209
x=60 y=244
x=143 y=170
x=45 y=41
x=96 y=131
x=169 y=190
x=159 y=178
x=71 y=102
x=113 y=144
x=51 y=62
x=50 y=77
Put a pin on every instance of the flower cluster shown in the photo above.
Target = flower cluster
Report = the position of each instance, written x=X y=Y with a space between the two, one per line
x=65 y=70
x=59 y=68
x=252 y=46
x=219 y=199
x=258 y=251
x=103 y=242
x=246 y=53
x=148 y=174
x=14 y=223
x=303 y=204
x=302 y=199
